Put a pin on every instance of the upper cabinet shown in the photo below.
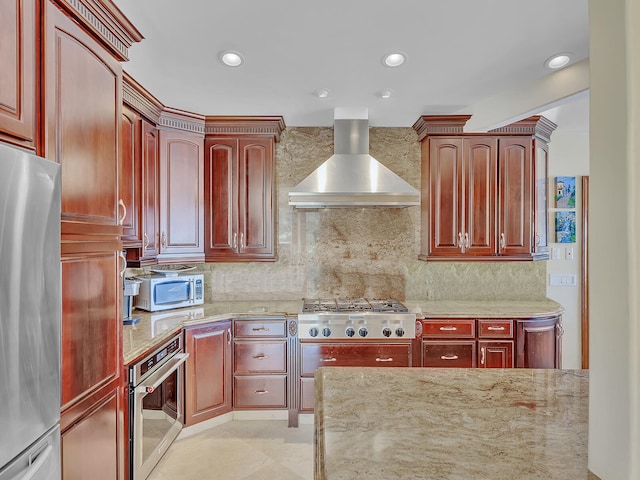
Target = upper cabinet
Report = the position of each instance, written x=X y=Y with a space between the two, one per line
x=483 y=194
x=239 y=188
x=18 y=94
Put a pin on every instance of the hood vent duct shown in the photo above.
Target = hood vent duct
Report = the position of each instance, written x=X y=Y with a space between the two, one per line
x=351 y=177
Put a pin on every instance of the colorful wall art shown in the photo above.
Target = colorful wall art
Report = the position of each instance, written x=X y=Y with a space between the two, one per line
x=565 y=227
x=565 y=192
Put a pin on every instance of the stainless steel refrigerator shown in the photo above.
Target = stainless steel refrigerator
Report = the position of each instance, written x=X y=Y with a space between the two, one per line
x=30 y=316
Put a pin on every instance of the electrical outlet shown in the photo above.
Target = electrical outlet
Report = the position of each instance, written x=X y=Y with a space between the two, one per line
x=568 y=253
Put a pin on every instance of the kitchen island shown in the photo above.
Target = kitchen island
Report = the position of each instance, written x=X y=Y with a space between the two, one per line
x=455 y=424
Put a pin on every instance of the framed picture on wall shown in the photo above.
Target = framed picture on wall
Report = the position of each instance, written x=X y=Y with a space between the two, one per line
x=566 y=227
x=565 y=192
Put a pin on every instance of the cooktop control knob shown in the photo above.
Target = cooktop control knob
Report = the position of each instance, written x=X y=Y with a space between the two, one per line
x=400 y=332
x=363 y=332
x=350 y=332
x=386 y=331
x=313 y=332
x=326 y=331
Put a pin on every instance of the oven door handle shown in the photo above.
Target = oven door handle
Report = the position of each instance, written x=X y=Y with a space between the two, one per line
x=151 y=383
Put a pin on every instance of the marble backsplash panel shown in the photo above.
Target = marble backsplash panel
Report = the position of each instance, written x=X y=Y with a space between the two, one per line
x=361 y=251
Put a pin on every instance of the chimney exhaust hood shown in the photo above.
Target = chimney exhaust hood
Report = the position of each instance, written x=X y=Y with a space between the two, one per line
x=351 y=177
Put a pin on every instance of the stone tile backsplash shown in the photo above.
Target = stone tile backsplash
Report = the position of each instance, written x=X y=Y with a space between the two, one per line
x=361 y=252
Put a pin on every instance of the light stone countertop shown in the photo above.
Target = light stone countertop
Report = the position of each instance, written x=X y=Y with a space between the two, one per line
x=154 y=328
x=455 y=424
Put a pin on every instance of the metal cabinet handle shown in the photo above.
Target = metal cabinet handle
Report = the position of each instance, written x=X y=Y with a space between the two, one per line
x=34 y=469
x=330 y=359
x=145 y=243
x=537 y=239
x=560 y=330
x=124 y=212
x=495 y=328
x=448 y=329
x=503 y=241
x=388 y=359
x=482 y=356
x=460 y=244
x=235 y=240
x=124 y=264
x=261 y=392
x=241 y=240
x=261 y=356
x=163 y=240
x=449 y=357
x=466 y=240
x=260 y=329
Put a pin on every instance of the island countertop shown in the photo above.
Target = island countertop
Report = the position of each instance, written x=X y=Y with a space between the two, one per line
x=455 y=424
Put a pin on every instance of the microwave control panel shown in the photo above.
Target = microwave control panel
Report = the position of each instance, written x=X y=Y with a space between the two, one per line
x=199 y=293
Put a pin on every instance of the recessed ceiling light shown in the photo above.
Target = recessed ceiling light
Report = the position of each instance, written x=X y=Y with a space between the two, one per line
x=394 y=59
x=321 y=92
x=231 y=59
x=386 y=93
x=558 y=61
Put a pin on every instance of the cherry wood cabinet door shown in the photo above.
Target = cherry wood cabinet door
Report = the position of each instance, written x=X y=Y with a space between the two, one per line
x=538 y=343
x=515 y=215
x=445 y=193
x=18 y=73
x=495 y=354
x=83 y=120
x=181 y=196
x=129 y=177
x=208 y=372
x=256 y=199
x=541 y=234
x=150 y=192
x=480 y=162
x=221 y=192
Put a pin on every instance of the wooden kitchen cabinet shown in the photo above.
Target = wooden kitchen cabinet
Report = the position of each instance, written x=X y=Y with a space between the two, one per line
x=261 y=363
x=359 y=353
x=130 y=177
x=208 y=371
x=484 y=195
x=240 y=188
x=81 y=130
x=181 y=197
x=539 y=343
x=18 y=81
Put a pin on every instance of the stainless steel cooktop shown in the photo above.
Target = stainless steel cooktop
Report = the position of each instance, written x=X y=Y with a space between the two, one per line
x=355 y=319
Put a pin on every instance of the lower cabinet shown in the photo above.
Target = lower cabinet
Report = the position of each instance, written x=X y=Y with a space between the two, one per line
x=361 y=354
x=208 y=373
x=260 y=366
x=492 y=343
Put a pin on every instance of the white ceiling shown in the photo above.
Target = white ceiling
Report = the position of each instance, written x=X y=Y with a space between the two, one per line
x=459 y=53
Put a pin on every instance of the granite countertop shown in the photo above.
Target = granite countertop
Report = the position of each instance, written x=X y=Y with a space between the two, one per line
x=154 y=328
x=458 y=424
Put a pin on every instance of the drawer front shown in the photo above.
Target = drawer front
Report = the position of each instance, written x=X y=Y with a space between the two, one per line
x=354 y=355
x=458 y=354
x=264 y=391
x=495 y=328
x=261 y=357
x=260 y=328
x=307 y=394
x=445 y=328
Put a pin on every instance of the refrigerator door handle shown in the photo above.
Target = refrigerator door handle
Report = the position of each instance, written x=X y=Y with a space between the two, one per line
x=35 y=467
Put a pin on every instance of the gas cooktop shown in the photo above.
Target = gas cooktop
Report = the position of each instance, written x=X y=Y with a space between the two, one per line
x=355 y=319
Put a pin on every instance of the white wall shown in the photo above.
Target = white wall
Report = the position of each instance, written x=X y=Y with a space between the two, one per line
x=568 y=156
x=614 y=406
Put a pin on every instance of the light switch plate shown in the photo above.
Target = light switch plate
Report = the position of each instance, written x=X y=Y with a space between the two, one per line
x=555 y=253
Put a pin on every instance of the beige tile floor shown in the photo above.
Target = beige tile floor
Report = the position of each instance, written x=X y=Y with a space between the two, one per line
x=241 y=450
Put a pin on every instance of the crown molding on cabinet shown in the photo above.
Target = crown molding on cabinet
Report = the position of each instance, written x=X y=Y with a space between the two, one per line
x=536 y=125
x=140 y=99
x=429 y=124
x=245 y=125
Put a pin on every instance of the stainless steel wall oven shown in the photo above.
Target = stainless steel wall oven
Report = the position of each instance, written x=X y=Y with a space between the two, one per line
x=156 y=389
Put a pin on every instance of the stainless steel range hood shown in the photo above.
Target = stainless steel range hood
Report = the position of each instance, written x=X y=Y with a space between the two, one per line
x=352 y=177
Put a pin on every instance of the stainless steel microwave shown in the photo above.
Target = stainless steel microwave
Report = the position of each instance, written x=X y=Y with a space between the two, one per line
x=160 y=292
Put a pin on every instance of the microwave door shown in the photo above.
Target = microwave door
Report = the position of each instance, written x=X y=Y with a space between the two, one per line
x=168 y=293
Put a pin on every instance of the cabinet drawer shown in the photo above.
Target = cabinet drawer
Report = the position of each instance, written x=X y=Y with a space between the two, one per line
x=267 y=391
x=316 y=355
x=495 y=328
x=441 y=328
x=260 y=328
x=267 y=357
x=458 y=354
